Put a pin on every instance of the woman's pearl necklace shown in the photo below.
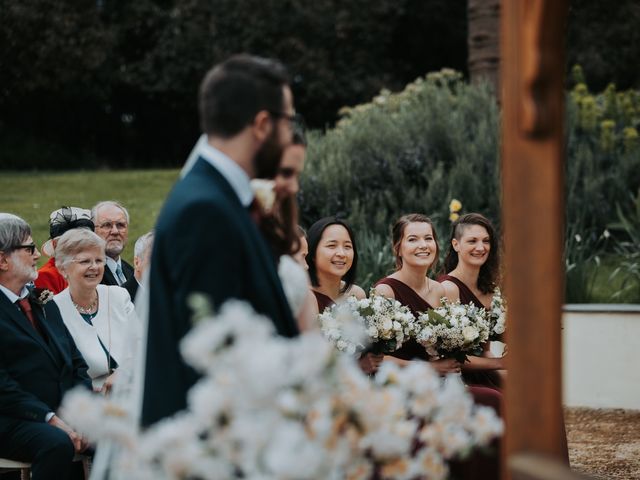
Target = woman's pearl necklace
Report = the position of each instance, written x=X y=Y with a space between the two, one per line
x=86 y=310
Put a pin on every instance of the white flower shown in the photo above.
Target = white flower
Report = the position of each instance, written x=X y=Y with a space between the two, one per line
x=578 y=238
x=470 y=333
x=264 y=192
x=269 y=408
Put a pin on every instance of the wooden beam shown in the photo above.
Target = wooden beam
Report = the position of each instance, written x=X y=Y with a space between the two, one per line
x=532 y=79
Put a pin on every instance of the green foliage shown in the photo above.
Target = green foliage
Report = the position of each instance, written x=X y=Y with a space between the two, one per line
x=33 y=196
x=117 y=81
x=628 y=248
x=404 y=152
x=437 y=140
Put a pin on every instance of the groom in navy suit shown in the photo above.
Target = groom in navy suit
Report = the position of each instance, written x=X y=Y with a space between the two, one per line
x=206 y=240
x=39 y=362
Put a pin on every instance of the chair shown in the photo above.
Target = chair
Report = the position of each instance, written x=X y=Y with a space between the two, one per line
x=7 y=465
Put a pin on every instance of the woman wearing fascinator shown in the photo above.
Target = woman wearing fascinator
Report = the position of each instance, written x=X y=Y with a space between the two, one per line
x=60 y=221
x=277 y=218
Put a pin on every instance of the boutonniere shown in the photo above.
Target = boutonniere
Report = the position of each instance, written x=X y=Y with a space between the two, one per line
x=41 y=296
x=264 y=192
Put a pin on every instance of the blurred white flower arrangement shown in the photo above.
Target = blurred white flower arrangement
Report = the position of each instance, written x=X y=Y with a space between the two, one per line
x=267 y=407
x=381 y=323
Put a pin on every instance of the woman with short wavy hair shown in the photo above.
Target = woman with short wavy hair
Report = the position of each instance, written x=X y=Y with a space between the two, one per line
x=100 y=318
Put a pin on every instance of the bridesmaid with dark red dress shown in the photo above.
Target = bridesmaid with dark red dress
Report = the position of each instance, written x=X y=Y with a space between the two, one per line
x=332 y=261
x=472 y=265
x=415 y=247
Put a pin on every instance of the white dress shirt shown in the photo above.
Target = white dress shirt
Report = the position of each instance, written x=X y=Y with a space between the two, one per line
x=229 y=169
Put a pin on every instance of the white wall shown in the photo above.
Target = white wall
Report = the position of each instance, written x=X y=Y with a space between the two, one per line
x=601 y=349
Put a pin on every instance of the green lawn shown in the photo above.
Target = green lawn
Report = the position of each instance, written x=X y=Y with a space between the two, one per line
x=34 y=195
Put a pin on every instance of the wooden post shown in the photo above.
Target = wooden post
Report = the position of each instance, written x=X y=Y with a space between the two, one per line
x=532 y=79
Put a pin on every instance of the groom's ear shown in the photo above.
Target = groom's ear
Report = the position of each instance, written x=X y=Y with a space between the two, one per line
x=262 y=125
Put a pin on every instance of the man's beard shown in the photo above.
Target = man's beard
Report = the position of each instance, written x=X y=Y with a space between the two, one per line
x=25 y=271
x=267 y=159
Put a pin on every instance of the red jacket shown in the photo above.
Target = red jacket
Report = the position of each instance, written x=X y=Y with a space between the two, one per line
x=50 y=278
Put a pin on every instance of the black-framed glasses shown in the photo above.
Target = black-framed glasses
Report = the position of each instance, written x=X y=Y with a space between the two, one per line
x=30 y=247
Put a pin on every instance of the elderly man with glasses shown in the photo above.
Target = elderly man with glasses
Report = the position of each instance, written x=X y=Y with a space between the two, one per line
x=38 y=365
x=112 y=224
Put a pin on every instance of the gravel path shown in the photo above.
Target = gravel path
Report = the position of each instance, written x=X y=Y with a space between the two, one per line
x=604 y=443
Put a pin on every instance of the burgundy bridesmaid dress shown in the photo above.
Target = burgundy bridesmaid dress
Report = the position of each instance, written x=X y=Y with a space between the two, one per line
x=323 y=300
x=485 y=378
x=478 y=466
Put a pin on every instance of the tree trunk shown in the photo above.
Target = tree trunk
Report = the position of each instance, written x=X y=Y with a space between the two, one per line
x=483 y=18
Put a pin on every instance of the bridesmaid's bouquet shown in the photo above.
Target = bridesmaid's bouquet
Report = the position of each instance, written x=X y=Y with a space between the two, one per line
x=497 y=315
x=453 y=330
x=385 y=324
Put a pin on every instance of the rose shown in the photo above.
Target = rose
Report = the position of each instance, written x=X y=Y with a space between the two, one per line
x=469 y=334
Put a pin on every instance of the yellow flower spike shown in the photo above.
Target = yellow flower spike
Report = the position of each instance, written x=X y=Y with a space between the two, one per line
x=454 y=216
x=455 y=205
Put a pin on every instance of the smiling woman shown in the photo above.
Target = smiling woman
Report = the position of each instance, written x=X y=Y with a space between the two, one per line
x=100 y=318
x=472 y=267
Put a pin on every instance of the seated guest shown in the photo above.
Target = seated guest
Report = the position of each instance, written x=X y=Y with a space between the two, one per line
x=332 y=261
x=60 y=221
x=471 y=271
x=100 y=318
x=112 y=225
x=38 y=365
x=141 y=259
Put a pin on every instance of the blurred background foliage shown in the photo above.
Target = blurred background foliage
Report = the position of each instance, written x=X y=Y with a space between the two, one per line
x=437 y=140
x=111 y=83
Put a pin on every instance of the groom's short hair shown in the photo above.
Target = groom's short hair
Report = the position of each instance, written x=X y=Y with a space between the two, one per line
x=234 y=91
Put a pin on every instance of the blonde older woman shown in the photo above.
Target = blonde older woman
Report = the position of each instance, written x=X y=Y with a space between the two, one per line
x=100 y=318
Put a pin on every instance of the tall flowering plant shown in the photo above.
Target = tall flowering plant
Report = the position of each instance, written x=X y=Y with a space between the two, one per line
x=453 y=330
x=272 y=408
x=380 y=322
x=497 y=315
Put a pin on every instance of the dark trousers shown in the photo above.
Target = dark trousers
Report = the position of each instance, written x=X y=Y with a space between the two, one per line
x=48 y=449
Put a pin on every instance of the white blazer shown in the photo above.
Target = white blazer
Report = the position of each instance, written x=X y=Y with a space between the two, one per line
x=115 y=323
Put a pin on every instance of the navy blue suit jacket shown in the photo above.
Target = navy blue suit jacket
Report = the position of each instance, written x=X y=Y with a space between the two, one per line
x=35 y=372
x=109 y=279
x=205 y=241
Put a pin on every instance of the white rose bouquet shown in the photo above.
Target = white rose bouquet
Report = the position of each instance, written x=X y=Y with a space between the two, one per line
x=453 y=330
x=386 y=324
x=497 y=315
x=343 y=325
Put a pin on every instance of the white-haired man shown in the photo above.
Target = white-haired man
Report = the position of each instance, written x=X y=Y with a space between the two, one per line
x=112 y=224
x=38 y=365
x=141 y=259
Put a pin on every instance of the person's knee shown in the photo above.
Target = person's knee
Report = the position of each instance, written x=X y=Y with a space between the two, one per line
x=60 y=446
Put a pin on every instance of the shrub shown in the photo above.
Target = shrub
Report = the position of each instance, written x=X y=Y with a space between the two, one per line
x=415 y=150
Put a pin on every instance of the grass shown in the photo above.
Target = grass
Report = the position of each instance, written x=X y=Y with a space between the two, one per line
x=34 y=195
